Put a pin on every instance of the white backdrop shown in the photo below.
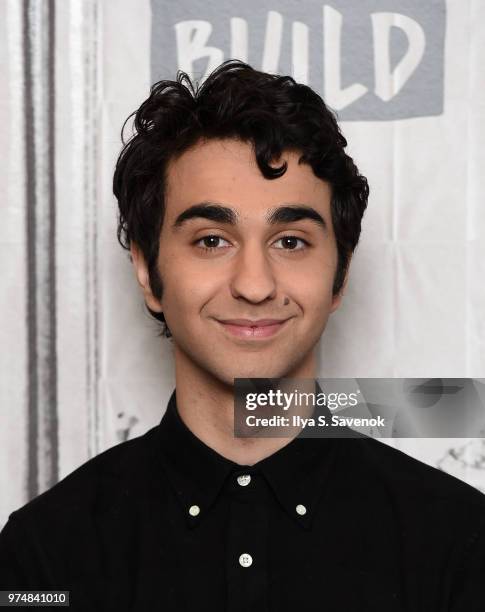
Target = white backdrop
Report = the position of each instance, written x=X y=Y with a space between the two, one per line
x=81 y=367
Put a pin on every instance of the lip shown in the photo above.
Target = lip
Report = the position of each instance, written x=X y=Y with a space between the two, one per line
x=251 y=323
x=263 y=328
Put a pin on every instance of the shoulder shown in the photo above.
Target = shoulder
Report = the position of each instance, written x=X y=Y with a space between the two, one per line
x=410 y=479
x=57 y=532
x=95 y=485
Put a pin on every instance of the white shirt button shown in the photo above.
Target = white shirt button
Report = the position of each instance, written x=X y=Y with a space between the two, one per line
x=244 y=479
x=194 y=510
x=301 y=509
x=245 y=560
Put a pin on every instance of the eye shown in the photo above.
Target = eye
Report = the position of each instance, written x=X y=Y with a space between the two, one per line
x=290 y=241
x=210 y=242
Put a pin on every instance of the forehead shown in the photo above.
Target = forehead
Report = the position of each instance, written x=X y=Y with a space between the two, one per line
x=226 y=171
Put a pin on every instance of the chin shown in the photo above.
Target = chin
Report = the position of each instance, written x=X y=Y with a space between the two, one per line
x=253 y=372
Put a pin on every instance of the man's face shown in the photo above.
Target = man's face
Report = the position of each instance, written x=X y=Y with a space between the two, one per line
x=252 y=271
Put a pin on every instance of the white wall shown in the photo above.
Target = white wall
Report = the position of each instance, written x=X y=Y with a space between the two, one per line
x=80 y=365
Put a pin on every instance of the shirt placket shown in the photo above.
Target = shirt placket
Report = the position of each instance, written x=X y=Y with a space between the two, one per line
x=247 y=540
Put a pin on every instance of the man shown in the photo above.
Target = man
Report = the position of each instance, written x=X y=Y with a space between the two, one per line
x=241 y=210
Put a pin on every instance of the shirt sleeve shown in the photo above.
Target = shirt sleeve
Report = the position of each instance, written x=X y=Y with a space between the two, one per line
x=14 y=557
x=468 y=591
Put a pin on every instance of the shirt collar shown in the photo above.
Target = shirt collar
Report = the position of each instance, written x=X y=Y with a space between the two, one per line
x=296 y=473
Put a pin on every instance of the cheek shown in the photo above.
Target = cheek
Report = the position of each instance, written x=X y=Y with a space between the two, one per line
x=314 y=281
x=318 y=301
x=180 y=280
x=315 y=298
x=186 y=294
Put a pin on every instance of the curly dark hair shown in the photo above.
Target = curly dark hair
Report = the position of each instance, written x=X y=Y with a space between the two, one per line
x=272 y=112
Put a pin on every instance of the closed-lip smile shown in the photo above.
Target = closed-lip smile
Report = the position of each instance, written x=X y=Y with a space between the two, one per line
x=252 y=329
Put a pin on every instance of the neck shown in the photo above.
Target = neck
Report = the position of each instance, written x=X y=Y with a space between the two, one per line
x=206 y=406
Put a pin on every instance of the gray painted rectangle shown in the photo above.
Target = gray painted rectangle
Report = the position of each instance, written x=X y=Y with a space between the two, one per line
x=370 y=60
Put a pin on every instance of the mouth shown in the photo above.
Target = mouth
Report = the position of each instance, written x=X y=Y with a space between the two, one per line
x=253 y=332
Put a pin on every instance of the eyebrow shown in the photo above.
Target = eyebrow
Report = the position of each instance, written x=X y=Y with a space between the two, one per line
x=286 y=213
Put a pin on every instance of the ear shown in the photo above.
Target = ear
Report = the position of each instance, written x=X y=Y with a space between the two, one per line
x=141 y=272
x=337 y=298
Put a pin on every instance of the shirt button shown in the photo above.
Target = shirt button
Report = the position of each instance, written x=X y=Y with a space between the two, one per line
x=244 y=479
x=245 y=560
x=194 y=510
x=301 y=509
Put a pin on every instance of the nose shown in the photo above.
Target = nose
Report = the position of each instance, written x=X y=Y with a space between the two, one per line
x=253 y=278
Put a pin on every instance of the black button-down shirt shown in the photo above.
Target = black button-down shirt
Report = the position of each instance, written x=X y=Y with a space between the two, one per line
x=163 y=522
